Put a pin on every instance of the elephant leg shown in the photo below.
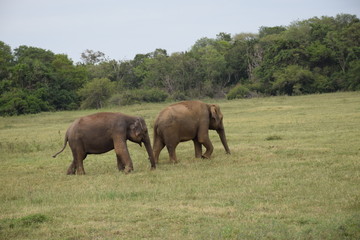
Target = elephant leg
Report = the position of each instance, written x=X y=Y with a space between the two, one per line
x=80 y=169
x=122 y=152
x=172 y=154
x=198 y=148
x=120 y=163
x=158 y=146
x=171 y=140
x=205 y=140
x=209 y=149
x=80 y=164
x=77 y=164
x=72 y=168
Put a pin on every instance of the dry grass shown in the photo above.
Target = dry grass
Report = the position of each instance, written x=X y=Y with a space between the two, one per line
x=294 y=173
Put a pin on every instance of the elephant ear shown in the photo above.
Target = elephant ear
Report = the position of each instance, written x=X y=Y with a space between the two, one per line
x=214 y=113
x=137 y=127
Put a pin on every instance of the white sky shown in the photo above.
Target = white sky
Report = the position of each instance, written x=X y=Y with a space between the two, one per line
x=123 y=28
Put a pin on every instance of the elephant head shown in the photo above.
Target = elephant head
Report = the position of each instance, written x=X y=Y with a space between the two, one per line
x=138 y=133
x=216 y=123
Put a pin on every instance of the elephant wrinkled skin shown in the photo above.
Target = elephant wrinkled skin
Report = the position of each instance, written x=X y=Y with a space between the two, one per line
x=188 y=120
x=101 y=132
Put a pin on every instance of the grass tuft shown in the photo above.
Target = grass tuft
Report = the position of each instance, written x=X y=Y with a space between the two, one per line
x=32 y=220
x=273 y=137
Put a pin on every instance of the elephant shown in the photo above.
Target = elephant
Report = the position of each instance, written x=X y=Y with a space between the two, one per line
x=101 y=132
x=188 y=120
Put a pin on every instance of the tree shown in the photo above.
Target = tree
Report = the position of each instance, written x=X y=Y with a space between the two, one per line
x=18 y=101
x=345 y=43
x=61 y=91
x=184 y=76
x=250 y=54
x=39 y=80
x=293 y=79
x=6 y=60
x=155 y=72
x=127 y=78
x=353 y=76
x=223 y=37
x=265 y=31
x=201 y=43
x=32 y=67
x=96 y=92
x=213 y=64
x=91 y=57
x=313 y=55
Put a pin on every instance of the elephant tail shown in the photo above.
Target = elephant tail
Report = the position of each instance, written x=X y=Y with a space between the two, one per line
x=155 y=131
x=65 y=142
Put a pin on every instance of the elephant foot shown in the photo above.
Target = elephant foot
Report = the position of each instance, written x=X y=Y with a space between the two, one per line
x=205 y=157
x=71 y=171
x=128 y=170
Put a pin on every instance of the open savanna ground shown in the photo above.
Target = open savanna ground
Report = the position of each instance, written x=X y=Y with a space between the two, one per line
x=294 y=173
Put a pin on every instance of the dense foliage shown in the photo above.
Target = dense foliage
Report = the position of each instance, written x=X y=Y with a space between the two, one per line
x=311 y=56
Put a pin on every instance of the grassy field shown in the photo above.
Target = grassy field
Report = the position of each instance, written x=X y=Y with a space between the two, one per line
x=294 y=173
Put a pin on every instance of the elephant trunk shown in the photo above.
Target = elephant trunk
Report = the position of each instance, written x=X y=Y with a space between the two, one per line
x=149 y=150
x=222 y=135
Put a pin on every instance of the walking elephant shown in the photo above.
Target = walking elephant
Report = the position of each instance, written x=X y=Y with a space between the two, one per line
x=102 y=132
x=188 y=120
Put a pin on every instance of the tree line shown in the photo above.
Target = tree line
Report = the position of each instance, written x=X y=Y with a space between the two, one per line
x=316 y=55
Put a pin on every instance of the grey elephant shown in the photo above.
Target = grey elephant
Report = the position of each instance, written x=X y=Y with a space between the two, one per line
x=101 y=132
x=188 y=120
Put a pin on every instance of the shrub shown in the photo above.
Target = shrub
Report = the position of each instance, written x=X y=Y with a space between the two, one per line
x=293 y=80
x=239 y=91
x=18 y=102
x=178 y=96
x=353 y=76
x=137 y=96
x=96 y=92
x=153 y=95
x=115 y=99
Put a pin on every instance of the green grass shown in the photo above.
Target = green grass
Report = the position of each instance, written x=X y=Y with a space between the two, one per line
x=294 y=173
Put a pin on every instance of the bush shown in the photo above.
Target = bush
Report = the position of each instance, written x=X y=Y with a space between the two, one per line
x=153 y=95
x=239 y=91
x=322 y=84
x=178 y=96
x=293 y=80
x=137 y=96
x=96 y=92
x=353 y=76
x=115 y=99
x=18 y=102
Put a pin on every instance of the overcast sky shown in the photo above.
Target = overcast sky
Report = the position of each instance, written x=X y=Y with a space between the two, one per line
x=121 y=29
